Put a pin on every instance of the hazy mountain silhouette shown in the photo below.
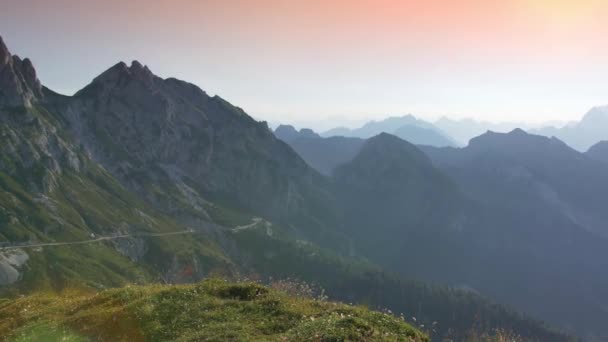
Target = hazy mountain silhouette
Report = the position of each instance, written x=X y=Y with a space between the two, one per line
x=501 y=216
x=288 y=133
x=547 y=169
x=591 y=129
x=407 y=127
x=463 y=130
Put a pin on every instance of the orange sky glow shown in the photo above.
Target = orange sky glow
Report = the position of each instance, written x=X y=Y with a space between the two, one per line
x=296 y=60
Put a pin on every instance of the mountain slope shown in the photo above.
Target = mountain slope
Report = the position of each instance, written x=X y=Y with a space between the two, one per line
x=423 y=136
x=171 y=143
x=599 y=151
x=447 y=313
x=51 y=191
x=545 y=202
x=19 y=85
x=325 y=154
x=391 y=190
x=572 y=183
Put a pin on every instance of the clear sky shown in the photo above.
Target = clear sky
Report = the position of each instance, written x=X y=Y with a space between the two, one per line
x=300 y=61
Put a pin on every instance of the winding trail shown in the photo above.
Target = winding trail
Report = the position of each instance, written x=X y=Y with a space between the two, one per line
x=103 y=238
x=254 y=222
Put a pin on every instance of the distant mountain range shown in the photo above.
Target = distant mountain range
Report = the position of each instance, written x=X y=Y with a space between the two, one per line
x=323 y=154
x=500 y=210
x=510 y=199
x=406 y=127
x=446 y=132
x=581 y=135
x=464 y=130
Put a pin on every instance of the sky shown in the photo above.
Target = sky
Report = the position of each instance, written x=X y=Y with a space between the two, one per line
x=321 y=62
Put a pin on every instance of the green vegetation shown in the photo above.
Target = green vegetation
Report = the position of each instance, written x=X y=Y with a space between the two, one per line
x=216 y=176
x=442 y=312
x=213 y=310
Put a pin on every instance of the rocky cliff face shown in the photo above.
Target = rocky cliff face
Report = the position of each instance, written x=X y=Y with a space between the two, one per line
x=19 y=85
x=31 y=147
x=166 y=136
x=166 y=140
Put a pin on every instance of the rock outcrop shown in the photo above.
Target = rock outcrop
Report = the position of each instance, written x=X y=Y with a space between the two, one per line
x=19 y=85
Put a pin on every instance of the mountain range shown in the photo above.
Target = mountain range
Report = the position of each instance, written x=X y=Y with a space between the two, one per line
x=406 y=127
x=463 y=130
x=545 y=202
x=139 y=179
x=493 y=214
x=517 y=200
x=581 y=135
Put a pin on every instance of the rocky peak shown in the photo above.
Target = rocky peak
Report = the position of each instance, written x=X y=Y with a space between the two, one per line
x=308 y=133
x=19 y=85
x=120 y=75
x=141 y=71
x=286 y=132
x=385 y=152
x=597 y=117
x=390 y=146
x=5 y=55
x=28 y=75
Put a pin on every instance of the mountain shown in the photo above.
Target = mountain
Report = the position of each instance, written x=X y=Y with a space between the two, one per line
x=337 y=132
x=454 y=313
x=391 y=192
x=323 y=154
x=465 y=129
x=288 y=133
x=407 y=127
x=136 y=155
x=591 y=129
x=18 y=81
x=139 y=179
x=52 y=190
x=423 y=136
x=569 y=181
x=146 y=130
x=543 y=202
x=599 y=151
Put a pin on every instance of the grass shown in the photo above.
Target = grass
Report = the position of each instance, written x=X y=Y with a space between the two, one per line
x=213 y=310
x=92 y=201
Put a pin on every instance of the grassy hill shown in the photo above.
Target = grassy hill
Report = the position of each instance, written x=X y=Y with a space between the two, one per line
x=213 y=310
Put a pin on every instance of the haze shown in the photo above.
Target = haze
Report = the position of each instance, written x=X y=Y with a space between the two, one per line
x=314 y=62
